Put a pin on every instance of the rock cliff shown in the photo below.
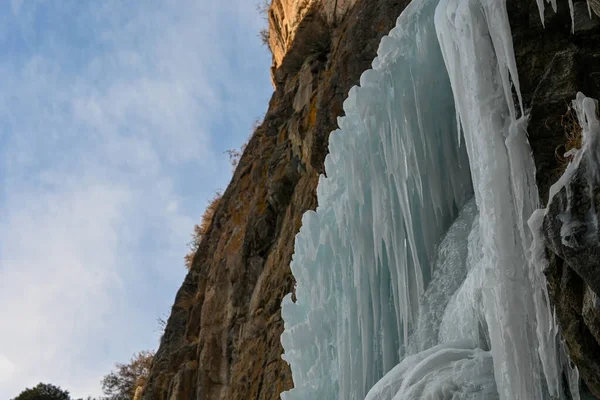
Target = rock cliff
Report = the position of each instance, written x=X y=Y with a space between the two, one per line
x=222 y=337
x=554 y=64
x=573 y=275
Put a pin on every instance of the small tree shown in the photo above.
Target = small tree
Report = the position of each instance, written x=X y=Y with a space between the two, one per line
x=161 y=324
x=236 y=154
x=122 y=383
x=44 y=391
x=263 y=34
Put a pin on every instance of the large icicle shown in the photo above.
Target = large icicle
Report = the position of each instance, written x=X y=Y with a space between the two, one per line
x=396 y=178
x=477 y=46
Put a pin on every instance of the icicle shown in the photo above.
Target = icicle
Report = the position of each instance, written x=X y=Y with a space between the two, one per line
x=572 y=376
x=473 y=36
x=572 y=12
x=542 y=9
x=547 y=327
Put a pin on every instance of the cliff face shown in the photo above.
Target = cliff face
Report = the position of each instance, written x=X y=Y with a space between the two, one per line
x=573 y=274
x=222 y=338
x=554 y=64
x=286 y=17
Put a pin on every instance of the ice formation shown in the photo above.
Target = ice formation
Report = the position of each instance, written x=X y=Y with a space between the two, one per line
x=362 y=260
x=542 y=10
x=405 y=288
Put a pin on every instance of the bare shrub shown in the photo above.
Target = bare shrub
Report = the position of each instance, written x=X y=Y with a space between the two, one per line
x=201 y=229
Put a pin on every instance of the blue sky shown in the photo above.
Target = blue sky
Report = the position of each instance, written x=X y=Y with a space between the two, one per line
x=114 y=116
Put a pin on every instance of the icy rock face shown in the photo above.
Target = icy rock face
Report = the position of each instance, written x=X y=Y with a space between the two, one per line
x=571 y=222
x=396 y=179
x=569 y=227
x=396 y=176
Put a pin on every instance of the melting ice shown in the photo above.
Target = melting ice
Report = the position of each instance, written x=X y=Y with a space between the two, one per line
x=414 y=275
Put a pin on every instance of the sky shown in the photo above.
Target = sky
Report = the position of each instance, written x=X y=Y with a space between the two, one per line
x=114 y=119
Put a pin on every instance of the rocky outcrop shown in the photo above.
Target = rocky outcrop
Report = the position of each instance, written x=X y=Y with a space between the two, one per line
x=554 y=64
x=572 y=235
x=309 y=20
x=222 y=337
x=569 y=226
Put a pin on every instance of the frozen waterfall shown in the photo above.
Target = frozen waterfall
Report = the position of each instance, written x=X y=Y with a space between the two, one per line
x=415 y=278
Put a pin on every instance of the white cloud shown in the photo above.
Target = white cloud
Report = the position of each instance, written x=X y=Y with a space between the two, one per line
x=7 y=369
x=112 y=125
x=58 y=264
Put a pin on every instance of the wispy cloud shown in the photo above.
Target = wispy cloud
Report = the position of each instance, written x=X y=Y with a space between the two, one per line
x=113 y=119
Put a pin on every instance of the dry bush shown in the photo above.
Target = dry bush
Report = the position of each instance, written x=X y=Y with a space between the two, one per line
x=234 y=156
x=263 y=7
x=263 y=34
x=202 y=228
x=573 y=136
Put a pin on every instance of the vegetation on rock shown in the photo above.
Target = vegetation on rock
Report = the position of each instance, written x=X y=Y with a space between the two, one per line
x=573 y=138
x=263 y=8
x=122 y=383
x=201 y=229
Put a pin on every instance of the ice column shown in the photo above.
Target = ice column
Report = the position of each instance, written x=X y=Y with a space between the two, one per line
x=476 y=43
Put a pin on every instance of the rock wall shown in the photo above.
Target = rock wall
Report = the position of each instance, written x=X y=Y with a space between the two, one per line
x=574 y=277
x=554 y=64
x=302 y=18
x=222 y=338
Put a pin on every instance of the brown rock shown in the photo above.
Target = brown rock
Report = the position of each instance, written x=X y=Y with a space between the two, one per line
x=291 y=18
